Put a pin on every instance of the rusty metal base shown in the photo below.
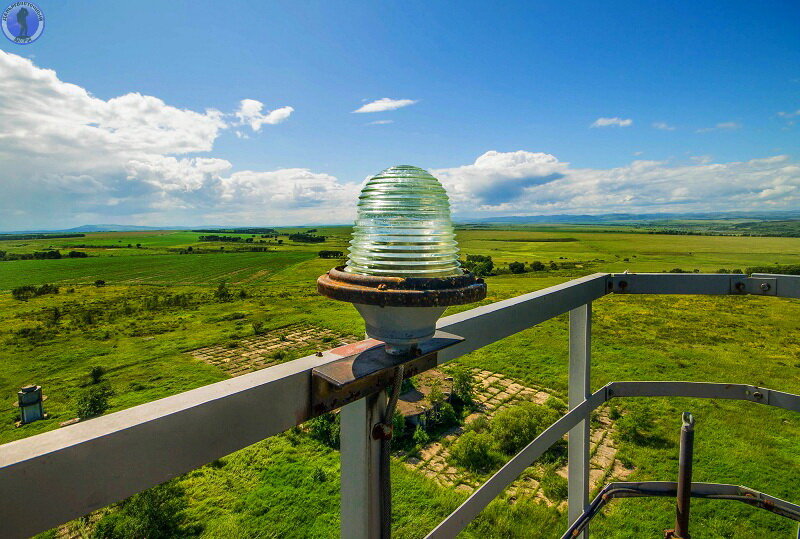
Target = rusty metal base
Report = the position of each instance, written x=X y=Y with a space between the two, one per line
x=401 y=291
x=341 y=382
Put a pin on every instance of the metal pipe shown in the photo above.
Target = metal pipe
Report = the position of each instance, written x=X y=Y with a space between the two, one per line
x=684 y=494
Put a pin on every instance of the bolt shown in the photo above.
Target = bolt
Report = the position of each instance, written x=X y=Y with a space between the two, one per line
x=758 y=395
x=740 y=286
x=764 y=286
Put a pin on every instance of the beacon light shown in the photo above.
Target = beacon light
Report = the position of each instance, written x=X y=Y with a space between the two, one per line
x=403 y=270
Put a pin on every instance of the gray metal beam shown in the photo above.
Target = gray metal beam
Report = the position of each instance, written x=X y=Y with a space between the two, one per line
x=360 y=468
x=129 y=451
x=580 y=340
x=134 y=449
x=490 y=323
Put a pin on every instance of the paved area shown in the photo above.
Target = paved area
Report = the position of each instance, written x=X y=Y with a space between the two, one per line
x=260 y=351
x=496 y=392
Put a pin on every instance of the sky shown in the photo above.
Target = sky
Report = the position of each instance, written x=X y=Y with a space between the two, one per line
x=274 y=113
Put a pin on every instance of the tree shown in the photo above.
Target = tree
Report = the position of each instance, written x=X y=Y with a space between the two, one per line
x=517 y=267
x=479 y=265
x=537 y=266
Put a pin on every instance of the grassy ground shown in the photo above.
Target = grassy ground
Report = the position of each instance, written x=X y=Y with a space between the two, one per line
x=287 y=486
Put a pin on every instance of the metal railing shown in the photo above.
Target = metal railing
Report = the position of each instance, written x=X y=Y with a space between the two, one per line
x=77 y=469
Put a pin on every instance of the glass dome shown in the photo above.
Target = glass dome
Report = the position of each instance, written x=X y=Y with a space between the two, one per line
x=403 y=228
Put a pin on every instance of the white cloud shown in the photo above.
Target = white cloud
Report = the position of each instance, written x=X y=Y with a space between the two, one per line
x=384 y=104
x=381 y=122
x=789 y=114
x=69 y=158
x=701 y=159
x=527 y=183
x=609 y=122
x=249 y=113
x=664 y=126
x=722 y=126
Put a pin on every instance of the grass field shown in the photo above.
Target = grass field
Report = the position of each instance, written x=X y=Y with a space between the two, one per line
x=287 y=486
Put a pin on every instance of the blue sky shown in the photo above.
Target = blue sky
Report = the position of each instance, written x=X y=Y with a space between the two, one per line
x=692 y=92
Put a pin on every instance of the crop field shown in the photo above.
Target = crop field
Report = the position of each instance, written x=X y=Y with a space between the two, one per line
x=158 y=306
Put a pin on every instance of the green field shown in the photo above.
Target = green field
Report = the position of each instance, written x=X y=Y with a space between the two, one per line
x=287 y=486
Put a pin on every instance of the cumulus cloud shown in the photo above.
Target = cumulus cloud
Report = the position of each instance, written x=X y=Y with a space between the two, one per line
x=249 y=113
x=529 y=183
x=722 y=126
x=664 y=126
x=69 y=157
x=610 y=122
x=384 y=104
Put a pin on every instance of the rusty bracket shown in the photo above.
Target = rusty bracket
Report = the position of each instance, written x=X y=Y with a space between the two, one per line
x=351 y=378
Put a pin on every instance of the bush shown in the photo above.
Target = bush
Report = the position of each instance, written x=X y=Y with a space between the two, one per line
x=516 y=267
x=463 y=384
x=421 y=437
x=537 y=266
x=258 y=328
x=222 y=294
x=474 y=451
x=24 y=293
x=99 y=282
x=325 y=429
x=156 y=513
x=93 y=401
x=445 y=415
x=513 y=428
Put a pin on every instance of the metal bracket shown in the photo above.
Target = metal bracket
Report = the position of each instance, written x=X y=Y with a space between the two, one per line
x=761 y=286
x=346 y=380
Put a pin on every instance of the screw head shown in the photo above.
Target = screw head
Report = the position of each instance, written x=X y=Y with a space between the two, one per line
x=764 y=286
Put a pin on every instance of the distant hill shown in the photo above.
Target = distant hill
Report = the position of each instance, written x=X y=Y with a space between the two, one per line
x=84 y=229
x=611 y=218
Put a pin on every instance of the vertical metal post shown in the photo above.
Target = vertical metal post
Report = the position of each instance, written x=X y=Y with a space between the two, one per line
x=684 y=497
x=360 y=468
x=580 y=340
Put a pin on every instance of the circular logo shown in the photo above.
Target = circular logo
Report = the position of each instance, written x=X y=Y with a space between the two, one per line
x=22 y=22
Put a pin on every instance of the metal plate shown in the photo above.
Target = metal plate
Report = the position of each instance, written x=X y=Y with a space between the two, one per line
x=340 y=382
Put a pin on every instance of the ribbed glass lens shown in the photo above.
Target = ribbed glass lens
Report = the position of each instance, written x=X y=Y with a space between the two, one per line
x=403 y=227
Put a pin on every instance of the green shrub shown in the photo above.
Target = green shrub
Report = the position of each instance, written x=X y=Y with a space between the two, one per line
x=398 y=425
x=556 y=404
x=517 y=267
x=474 y=451
x=325 y=429
x=463 y=384
x=421 y=437
x=156 y=513
x=515 y=427
x=93 y=401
